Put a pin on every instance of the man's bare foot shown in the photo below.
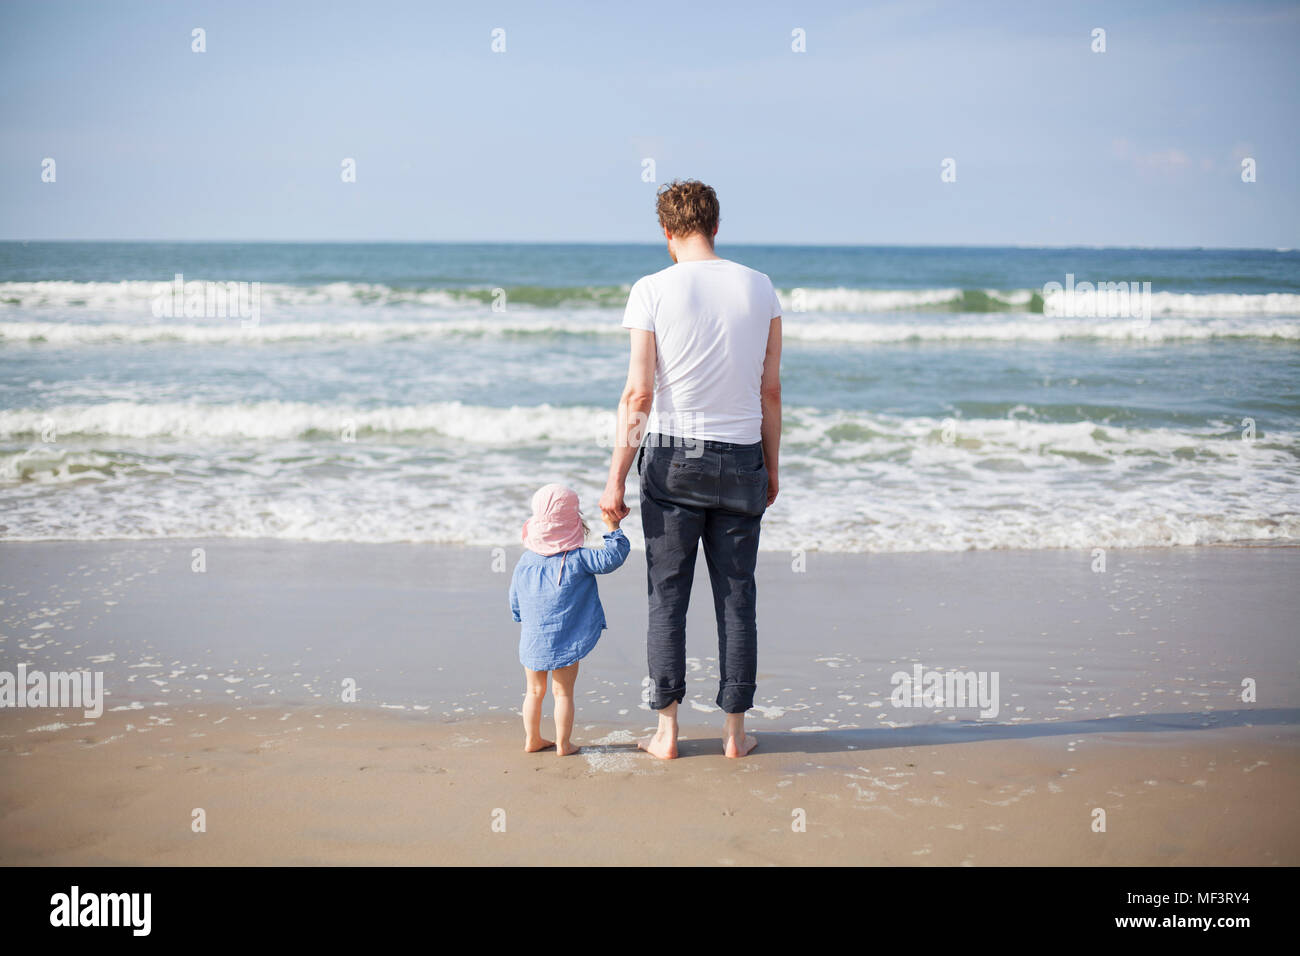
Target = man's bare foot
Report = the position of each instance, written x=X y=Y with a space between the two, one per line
x=532 y=746
x=662 y=745
x=564 y=749
x=738 y=746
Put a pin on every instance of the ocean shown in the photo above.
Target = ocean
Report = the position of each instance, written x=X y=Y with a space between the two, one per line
x=935 y=399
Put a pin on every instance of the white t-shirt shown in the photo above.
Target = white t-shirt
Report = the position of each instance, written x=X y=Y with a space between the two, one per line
x=710 y=319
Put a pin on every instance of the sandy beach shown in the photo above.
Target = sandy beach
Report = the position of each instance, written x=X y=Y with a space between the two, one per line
x=1121 y=691
x=360 y=787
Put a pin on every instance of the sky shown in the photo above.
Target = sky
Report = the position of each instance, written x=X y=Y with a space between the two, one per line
x=1053 y=143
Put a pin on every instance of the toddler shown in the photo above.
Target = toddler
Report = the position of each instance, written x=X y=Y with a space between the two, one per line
x=557 y=603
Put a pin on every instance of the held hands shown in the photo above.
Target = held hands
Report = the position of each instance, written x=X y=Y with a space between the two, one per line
x=612 y=508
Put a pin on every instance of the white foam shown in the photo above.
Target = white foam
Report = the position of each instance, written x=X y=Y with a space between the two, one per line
x=601 y=759
x=75 y=314
x=799 y=328
x=854 y=481
x=1039 y=329
x=265 y=420
x=137 y=297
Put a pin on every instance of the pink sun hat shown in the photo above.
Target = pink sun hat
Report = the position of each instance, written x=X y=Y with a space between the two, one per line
x=555 y=525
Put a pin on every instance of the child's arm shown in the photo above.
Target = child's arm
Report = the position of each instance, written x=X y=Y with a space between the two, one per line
x=609 y=558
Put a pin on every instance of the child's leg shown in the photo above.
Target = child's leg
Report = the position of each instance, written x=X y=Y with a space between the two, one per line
x=534 y=694
x=562 y=682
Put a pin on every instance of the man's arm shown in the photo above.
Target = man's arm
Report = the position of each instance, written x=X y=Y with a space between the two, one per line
x=770 y=392
x=633 y=407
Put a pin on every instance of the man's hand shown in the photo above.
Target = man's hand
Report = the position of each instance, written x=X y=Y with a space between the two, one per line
x=771 y=488
x=611 y=504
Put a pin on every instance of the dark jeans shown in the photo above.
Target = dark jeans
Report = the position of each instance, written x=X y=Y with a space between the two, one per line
x=715 y=492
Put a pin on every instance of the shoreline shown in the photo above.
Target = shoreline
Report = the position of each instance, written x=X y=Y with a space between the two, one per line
x=427 y=628
x=1244 y=544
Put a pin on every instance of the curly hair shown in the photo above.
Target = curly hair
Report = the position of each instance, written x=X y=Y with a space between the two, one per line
x=687 y=207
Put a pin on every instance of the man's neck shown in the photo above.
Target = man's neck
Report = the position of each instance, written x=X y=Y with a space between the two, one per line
x=693 y=249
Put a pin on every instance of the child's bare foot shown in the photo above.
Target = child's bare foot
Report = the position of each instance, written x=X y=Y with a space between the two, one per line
x=533 y=746
x=565 y=748
x=662 y=745
x=738 y=746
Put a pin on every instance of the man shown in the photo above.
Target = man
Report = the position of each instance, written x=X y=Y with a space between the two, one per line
x=705 y=369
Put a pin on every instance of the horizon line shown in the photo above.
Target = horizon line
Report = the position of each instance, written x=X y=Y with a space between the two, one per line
x=654 y=244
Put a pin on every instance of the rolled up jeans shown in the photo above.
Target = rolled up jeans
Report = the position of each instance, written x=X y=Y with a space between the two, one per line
x=715 y=492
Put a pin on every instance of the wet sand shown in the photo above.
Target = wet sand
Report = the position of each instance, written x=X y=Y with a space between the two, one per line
x=427 y=629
